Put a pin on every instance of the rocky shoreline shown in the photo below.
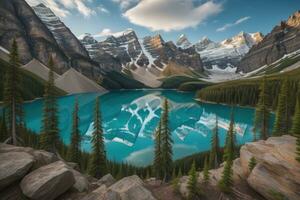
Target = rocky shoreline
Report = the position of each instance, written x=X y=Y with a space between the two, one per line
x=26 y=173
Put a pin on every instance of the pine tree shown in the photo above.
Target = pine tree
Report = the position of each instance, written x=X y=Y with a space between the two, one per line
x=296 y=126
x=174 y=174
x=192 y=184
x=214 y=154
x=49 y=139
x=12 y=94
x=3 y=129
x=74 y=148
x=252 y=163
x=158 y=153
x=230 y=145
x=166 y=143
x=179 y=175
x=206 y=171
x=226 y=181
x=262 y=112
x=175 y=181
x=97 y=164
x=282 y=118
x=120 y=173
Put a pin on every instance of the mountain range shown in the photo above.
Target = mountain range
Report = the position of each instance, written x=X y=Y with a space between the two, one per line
x=125 y=60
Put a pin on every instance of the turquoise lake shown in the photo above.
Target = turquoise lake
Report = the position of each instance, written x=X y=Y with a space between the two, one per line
x=131 y=116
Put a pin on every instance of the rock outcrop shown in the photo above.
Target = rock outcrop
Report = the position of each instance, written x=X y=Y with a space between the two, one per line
x=282 y=40
x=106 y=180
x=47 y=182
x=277 y=171
x=13 y=166
x=276 y=174
x=26 y=173
x=128 y=188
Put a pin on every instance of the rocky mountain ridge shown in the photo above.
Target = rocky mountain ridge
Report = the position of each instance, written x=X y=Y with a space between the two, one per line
x=151 y=52
x=282 y=40
x=227 y=53
x=41 y=37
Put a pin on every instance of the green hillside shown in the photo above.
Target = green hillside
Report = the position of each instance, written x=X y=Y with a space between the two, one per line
x=32 y=85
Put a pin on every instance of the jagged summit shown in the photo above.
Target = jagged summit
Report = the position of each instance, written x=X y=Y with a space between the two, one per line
x=183 y=42
x=282 y=40
x=294 y=20
x=41 y=5
x=227 y=52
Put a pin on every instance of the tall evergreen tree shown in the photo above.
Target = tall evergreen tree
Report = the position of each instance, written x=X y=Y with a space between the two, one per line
x=192 y=184
x=226 y=181
x=282 y=118
x=206 y=171
x=158 y=153
x=49 y=139
x=296 y=126
x=12 y=94
x=230 y=145
x=262 y=112
x=214 y=154
x=97 y=165
x=74 y=148
x=166 y=142
x=3 y=129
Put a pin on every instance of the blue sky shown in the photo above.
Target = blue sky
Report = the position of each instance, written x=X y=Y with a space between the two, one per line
x=216 y=19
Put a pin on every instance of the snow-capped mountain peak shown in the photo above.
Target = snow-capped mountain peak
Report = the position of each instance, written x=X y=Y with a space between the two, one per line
x=227 y=52
x=183 y=42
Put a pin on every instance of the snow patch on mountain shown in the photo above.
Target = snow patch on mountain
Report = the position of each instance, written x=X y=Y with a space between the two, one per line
x=183 y=42
x=229 y=51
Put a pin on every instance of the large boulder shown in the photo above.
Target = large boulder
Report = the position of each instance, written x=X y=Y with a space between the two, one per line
x=41 y=157
x=4 y=148
x=277 y=172
x=107 y=180
x=81 y=182
x=13 y=167
x=130 y=188
x=48 y=182
x=101 y=193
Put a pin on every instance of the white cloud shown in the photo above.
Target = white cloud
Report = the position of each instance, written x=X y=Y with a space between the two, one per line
x=102 y=9
x=237 y=22
x=168 y=15
x=62 y=8
x=108 y=32
x=124 y=4
x=105 y=32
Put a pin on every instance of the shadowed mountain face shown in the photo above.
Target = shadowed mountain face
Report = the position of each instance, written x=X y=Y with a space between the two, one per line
x=283 y=39
x=41 y=38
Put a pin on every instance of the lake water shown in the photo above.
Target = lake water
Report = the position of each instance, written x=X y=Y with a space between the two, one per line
x=131 y=116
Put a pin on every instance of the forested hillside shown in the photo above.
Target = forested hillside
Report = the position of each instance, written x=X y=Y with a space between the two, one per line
x=245 y=92
x=32 y=86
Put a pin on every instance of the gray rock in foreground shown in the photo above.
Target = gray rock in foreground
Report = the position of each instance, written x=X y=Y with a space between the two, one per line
x=107 y=180
x=13 y=167
x=128 y=188
x=47 y=182
x=131 y=188
x=277 y=171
